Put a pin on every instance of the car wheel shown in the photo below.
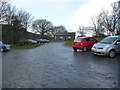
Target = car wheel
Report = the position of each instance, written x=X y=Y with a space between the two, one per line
x=112 y=53
x=84 y=49
x=75 y=50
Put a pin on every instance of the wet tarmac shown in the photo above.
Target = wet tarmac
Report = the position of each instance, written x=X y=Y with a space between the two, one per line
x=54 y=65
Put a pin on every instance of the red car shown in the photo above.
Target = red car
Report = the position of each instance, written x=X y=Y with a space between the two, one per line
x=84 y=43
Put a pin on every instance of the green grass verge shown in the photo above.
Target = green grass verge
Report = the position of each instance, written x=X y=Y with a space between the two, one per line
x=25 y=46
x=53 y=40
x=100 y=38
x=69 y=43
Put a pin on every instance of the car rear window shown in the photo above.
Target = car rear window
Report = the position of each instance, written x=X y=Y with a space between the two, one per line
x=92 y=39
x=78 y=40
x=87 y=39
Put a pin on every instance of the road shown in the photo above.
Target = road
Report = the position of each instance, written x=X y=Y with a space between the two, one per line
x=54 y=65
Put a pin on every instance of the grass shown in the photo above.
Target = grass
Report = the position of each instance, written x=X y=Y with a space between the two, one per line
x=69 y=43
x=25 y=46
x=100 y=38
x=54 y=40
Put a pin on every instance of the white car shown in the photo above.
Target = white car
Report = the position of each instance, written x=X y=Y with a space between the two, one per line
x=4 y=47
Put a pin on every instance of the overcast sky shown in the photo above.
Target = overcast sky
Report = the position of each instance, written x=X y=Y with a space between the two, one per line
x=69 y=13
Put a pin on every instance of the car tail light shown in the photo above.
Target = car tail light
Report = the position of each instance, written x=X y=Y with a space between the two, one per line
x=74 y=43
x=80 y=44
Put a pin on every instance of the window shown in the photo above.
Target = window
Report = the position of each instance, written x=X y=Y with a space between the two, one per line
x=69 y=37
x=61 y=37
x=87 y=39
x=78 y=40
x=108 y=40
x=92 y=39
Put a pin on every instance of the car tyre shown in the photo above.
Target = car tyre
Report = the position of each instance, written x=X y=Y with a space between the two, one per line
x=75 y=50
x=84 y=49
x=1 y=50
x=112 y=53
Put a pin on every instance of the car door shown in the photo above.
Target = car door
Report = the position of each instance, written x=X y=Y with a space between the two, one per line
x=92 y=42
x=118 y=46
x=87 y=42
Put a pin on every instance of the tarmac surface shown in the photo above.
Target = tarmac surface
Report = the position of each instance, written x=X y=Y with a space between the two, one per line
x=54 y=65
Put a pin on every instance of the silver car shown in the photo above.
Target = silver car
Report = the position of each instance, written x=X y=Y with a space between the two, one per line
x=109 y=46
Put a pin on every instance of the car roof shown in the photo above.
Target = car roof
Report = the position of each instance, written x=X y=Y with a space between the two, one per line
x=83 y=37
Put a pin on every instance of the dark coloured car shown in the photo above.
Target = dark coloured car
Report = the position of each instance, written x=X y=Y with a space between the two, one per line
x=29 y=41
x=4 y=47
x=42 y=40
x=84 y=43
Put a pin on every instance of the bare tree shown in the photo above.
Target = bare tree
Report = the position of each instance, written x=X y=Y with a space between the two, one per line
x=7 y=11
x=98 y=24
x=41 y=26
x=82 y=30
x=26 y=18
x=61 y=29
x=3 y=4
x=56 y=29
x=110 y=21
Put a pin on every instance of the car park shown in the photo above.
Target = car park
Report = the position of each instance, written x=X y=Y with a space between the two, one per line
x=84 y=43
x=4 y=47
x=109 y=46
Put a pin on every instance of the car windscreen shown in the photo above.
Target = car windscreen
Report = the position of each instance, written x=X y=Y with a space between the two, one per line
x=1 y=43
x=109 y=40
x=78 y=40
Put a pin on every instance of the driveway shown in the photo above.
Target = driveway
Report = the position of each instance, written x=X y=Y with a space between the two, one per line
x=54 y=65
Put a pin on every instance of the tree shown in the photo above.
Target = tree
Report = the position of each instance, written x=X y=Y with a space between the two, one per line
x=3 y=4
x=7 y=11
x=41 y=26
x=110 y=21
x=25 y=18
x=56 y=29
x=98 y=24
x=61 y=29
x=17 y=20
x=82 y=30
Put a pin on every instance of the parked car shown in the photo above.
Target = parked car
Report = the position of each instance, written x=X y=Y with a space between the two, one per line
x=42 y=40
x=109 y=46
x=45 y=40
x=4 y=47
x=29 y=41
x=84 y=43
x=39 y=40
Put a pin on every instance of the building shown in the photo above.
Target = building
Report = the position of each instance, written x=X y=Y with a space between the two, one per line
x=65 y=36
x=10 y=36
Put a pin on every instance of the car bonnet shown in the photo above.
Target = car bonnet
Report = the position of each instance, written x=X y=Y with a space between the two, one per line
x=5 y=45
